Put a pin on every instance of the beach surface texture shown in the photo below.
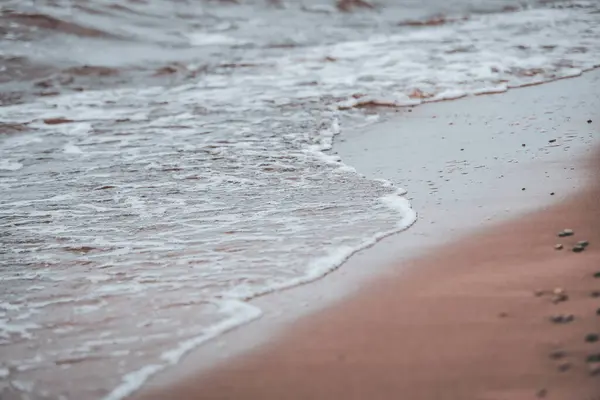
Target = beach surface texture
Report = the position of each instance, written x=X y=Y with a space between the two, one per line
x=299 y=199
x=501 y=299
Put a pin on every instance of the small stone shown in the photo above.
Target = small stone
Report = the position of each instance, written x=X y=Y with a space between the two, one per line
x=541 y=393
x=558 y=290
x=593 y=358
x=522 y=188
x=595 y=293
x=559 y=298
x=578 y=249
x=591 y=337
x=597 y=274
x=583 y=243
x=552 y=194
x=569 y=317
x=558 y=246
x=564 y=366
x=598 y=311
x=503 y=315
x=557 y=319
x=562 y=319
x=594 y=368
x=557 y=354
x=589 y=121
x=539 y=293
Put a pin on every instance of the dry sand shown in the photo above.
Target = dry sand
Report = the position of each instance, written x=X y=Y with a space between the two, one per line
x=472 y=319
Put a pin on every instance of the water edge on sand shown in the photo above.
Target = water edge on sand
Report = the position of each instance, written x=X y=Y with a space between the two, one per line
x=489 y=167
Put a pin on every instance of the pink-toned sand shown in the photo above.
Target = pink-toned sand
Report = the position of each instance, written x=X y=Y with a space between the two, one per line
x=470 y=320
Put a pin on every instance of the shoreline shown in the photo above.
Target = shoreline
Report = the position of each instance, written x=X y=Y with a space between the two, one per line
x=486 y=328
x=324 y=292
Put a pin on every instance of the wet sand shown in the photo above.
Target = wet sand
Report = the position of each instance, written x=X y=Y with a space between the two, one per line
x=472 y=320
x=497 y=314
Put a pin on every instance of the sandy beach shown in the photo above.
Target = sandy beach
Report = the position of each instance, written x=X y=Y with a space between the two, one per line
x=499 y=308
x=482 y=327
x=307 y=199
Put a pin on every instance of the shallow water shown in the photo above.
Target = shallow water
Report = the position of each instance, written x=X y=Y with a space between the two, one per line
x=164 y=161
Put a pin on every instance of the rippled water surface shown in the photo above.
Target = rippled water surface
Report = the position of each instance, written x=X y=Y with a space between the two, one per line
x=161 y=162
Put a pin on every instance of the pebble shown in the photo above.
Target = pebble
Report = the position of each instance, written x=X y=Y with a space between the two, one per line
x=583 y=243
x=563 y=367
x=589 y=121
x=559 y=298
x=541 y=393
x=551 y=140
x=597 y=274
x=557 y=354
x=562 y=318
x=566 y=232
x=558 y=246
x=558 y=290
x=595 y=293
x=591 y=337
x=539 y=293
x=593 y=358
x=578 y=248
x=598 y=311
x=594 y=368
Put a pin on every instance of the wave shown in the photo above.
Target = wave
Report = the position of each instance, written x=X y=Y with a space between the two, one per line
x=156 y=182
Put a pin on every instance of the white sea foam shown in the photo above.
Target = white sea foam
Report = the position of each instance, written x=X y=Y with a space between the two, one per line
x=70 y=148
x=207 y=39
x=10 y=166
